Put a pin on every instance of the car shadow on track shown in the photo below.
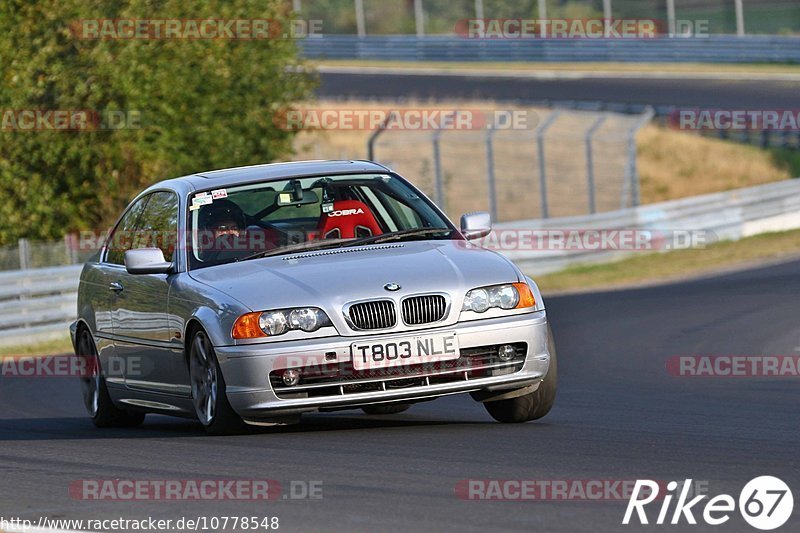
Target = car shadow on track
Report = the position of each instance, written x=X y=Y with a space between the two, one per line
x=155 y=426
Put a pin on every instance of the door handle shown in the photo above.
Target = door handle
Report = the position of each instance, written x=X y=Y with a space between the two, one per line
x=115 y=286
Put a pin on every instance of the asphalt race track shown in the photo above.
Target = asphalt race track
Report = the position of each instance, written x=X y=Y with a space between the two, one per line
x=723 y=94
x=619 y=416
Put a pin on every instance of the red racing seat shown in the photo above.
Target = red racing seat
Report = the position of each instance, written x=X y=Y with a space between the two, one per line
x=349 y=219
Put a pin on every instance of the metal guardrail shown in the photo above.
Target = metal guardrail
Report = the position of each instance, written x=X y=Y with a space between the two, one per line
x=38 y=302
x=711 y=49
x=729 y=215
x=42 y=302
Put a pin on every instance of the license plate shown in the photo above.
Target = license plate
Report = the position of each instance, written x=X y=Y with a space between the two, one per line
x=404 y=351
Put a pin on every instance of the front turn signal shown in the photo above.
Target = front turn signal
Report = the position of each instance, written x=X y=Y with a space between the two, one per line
x=526 y=298
x=247 y=327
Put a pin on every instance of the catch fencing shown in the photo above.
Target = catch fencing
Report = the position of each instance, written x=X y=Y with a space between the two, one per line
x=568 y=163
x=432 y=17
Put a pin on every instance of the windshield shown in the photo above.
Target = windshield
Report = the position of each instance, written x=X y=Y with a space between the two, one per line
x=277 y=217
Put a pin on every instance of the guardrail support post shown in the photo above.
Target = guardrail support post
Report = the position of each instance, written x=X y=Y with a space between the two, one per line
x=24 y=254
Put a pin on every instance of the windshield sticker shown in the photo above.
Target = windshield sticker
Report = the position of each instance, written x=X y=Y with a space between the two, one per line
x=194 y=207
x=219 y=193
x=202 y=199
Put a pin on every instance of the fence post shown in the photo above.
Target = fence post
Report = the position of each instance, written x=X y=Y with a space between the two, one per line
x=540 y=131
x=419 y=18
x=590 y=163
x=490 y=173
x=543 y=18
x=24 y=254
x=375 y=134
x=671 y=17
x=437 y=165
x=739 y=18
x=437 y=168
x=360 y=24
x=631 y=170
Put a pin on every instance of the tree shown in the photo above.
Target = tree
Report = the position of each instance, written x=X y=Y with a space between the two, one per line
x=186 y=105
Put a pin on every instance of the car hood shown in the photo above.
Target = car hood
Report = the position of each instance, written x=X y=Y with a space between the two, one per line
x=331 y=278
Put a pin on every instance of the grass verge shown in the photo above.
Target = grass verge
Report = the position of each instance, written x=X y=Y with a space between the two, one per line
x=56 y=346
x=677 y=264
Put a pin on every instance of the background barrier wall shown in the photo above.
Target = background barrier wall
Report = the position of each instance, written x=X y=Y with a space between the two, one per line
x=711 y=49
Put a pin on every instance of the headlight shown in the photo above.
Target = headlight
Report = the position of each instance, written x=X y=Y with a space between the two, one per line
x=508 y=296
x=278 y=322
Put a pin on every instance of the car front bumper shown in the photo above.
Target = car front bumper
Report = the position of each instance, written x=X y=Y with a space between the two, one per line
x=246 y=368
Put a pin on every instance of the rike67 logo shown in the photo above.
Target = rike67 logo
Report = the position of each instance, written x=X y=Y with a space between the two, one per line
x=765 y=503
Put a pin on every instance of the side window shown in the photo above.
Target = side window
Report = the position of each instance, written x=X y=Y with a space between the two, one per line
x=158 y=226
x=125 y=232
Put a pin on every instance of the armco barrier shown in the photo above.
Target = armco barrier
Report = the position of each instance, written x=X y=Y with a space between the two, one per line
x=42 y=302
x=37 y=303
x=729 y=215
x=711 y=49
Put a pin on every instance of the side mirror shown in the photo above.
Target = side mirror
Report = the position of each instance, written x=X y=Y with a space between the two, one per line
x=146 y=261
x=476 y=225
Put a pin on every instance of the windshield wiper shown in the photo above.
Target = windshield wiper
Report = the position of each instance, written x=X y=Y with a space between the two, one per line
x=302 y=246
x=399 y=235
x=336 y=243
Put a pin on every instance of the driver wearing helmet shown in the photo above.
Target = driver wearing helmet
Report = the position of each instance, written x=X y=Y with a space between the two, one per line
x=225 y=223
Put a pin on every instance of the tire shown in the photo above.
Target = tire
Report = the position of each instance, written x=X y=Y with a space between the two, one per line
x=391 y=409
x=208 y=389
x=96 y=399
x=534 y=405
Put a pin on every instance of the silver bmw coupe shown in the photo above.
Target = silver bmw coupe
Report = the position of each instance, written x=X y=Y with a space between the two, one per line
x=252 y=295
